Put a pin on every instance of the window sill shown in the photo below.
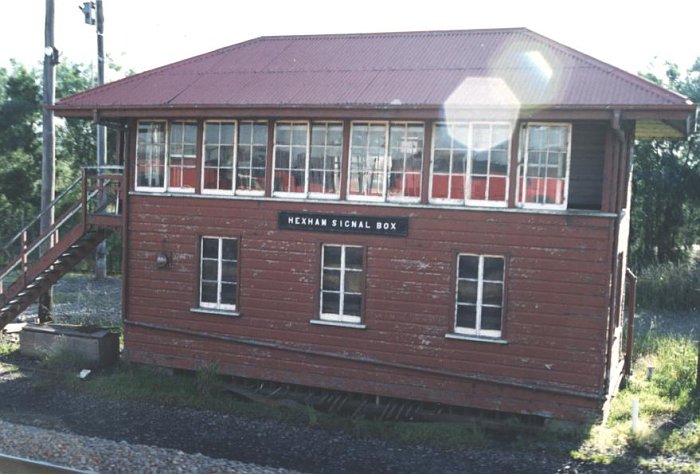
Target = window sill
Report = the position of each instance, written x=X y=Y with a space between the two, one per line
x=323 y=322
x=466 y=337
x=218 y=312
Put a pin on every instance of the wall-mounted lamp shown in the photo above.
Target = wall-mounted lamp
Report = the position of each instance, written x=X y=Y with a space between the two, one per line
x=162 y=260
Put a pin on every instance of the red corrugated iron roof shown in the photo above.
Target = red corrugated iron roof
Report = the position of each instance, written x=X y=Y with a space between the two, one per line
x=484 y=68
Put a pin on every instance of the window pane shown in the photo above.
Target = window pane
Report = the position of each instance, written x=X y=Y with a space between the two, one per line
x=466 y=316
x=283 y=134
x=352 y=305
x=209 y=292
x=229 y=250
x=330 y=303
x=459 y=161
x=469 y=266
x=353 y=257
x=492 y=293
x=493 y=269
x=353 y=282
x=299 y=135
x=491 y=318
x=467 y=291
x=210 y=248
x=260 y=134
x=228 y=271
x=442 y=137
x=210 y=270
x=227 y=133
x=331 y=280
x=245 y=132
x=331 y=256
x=228 y=293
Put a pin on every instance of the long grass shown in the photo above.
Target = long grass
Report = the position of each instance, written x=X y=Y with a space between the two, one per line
x=667 y=437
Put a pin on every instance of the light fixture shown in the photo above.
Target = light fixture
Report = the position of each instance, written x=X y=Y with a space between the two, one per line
x=162 y=260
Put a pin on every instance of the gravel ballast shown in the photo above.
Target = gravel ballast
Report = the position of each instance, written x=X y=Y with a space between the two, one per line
x=100 y=455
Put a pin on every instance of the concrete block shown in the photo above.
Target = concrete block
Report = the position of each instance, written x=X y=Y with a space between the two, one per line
x=99 y=347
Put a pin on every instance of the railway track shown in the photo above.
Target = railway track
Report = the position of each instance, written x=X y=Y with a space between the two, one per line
x=16 y=465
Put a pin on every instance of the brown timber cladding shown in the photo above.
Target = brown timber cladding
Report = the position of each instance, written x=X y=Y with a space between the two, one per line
x=557 y=298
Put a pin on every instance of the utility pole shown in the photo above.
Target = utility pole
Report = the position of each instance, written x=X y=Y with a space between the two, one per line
x=88 y=8
x=101 y=251
x=48 y=169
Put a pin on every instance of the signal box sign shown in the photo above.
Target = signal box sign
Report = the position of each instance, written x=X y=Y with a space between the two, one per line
x=344 y=224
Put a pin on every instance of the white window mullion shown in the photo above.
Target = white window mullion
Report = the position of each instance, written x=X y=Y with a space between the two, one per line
x=219 y=272
x=479 y=294
x=387 y=146
x=526 y=159
x=341 y=296
x=308 y=160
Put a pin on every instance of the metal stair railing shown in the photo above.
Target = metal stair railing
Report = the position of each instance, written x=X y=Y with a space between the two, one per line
x=100 y=194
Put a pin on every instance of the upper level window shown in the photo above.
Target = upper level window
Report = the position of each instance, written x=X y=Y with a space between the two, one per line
x=308 y=159
x=406 y=165
x=470 y=163
x=150 y=156
x=251 y=157
x=182 y=156
x=385 y=161
x=219 y=145
x=342 y=283
x=234 y=157
x=325 y=160
x=479 y=305
x=544 y=165
x=291 y=157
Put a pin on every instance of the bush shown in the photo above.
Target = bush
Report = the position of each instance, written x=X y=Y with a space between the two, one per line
x=672 y=287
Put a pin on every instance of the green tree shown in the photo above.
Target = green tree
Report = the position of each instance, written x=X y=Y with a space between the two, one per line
x=666 y=187
x=20 y=147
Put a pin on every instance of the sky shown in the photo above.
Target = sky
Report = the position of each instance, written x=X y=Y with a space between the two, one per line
x=634 y=35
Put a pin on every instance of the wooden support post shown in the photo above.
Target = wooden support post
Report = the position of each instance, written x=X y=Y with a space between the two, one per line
x=83 y=198
x=632 y=278
x=23 y=257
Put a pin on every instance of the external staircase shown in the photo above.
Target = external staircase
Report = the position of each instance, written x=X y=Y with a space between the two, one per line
x=91 y=210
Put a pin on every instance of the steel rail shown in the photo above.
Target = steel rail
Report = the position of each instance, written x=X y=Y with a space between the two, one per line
x=19 y=465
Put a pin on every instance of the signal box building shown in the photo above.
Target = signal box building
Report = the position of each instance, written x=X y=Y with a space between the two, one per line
x=435 y=216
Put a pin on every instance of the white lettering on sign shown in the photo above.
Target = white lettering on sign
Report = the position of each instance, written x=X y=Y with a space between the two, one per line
x=355 y=224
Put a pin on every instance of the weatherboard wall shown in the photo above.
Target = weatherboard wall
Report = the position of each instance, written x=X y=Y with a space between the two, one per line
x=557 y=284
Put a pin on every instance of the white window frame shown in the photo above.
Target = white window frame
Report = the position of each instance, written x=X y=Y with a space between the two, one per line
x=326 y=125
x=384 y=196
x=168 y=163
x=466 y=200
x=470 y=164
x=341 y=317
x=477 y=331
x=221 y=192
x=404 y=199
x=291 y=194
x=362 y=197
x=154 y=189
x=523 y=155
x=249 y=192
x=218 y=305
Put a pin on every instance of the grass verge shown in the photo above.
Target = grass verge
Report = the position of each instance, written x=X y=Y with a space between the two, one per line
x=667 y=435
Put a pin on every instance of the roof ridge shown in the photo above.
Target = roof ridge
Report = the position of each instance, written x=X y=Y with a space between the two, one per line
x=386 y=34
